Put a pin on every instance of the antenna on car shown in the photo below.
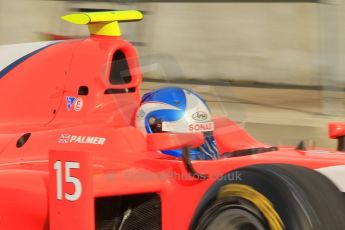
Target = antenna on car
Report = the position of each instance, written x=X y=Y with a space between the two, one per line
x=104 y=23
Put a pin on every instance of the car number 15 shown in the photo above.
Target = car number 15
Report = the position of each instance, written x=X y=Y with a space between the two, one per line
x=67 y=179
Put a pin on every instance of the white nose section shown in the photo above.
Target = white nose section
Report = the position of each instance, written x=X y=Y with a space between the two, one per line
x=17 y=51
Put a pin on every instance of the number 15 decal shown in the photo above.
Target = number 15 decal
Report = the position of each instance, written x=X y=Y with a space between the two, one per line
x=68 y=179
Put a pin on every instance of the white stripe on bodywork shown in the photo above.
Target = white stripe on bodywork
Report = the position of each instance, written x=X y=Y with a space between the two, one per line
x=336 y=174
x=11 y=53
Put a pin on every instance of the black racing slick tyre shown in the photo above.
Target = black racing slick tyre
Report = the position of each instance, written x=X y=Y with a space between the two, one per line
x=273 y=197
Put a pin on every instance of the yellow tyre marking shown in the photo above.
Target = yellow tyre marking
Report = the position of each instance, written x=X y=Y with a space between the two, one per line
x=259 y=200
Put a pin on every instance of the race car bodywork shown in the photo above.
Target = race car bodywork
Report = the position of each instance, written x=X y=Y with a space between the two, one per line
x=71 y=158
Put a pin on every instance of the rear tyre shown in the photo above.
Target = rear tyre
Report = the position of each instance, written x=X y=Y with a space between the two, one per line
x=275 y=197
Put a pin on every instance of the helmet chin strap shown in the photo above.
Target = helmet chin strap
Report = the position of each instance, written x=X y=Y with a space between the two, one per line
x=189 y=166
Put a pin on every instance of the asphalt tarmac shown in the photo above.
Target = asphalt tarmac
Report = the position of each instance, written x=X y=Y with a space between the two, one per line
x=277 y=116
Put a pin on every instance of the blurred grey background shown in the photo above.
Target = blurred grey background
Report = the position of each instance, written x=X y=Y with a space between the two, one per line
x=277 y=67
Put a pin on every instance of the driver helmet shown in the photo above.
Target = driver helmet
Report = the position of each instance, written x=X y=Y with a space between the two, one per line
x=178 y=110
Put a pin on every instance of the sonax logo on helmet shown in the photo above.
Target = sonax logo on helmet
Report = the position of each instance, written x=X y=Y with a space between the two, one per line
x=201 y=127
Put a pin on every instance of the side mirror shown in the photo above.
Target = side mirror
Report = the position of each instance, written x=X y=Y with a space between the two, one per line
x=168 y=141
x=336 y=130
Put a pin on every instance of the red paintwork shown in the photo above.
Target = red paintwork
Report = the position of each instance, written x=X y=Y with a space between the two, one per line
x=33 y=100
x=166 y=141
x=336 y=129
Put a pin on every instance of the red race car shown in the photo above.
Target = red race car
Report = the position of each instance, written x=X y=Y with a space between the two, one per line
x=80 y=149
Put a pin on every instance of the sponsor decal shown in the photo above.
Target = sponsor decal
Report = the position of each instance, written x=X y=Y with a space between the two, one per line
x=67 y=138
x=64 y=138
x=70 y=101
x=201 y=127
x=76 y=103
x=200 y=116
